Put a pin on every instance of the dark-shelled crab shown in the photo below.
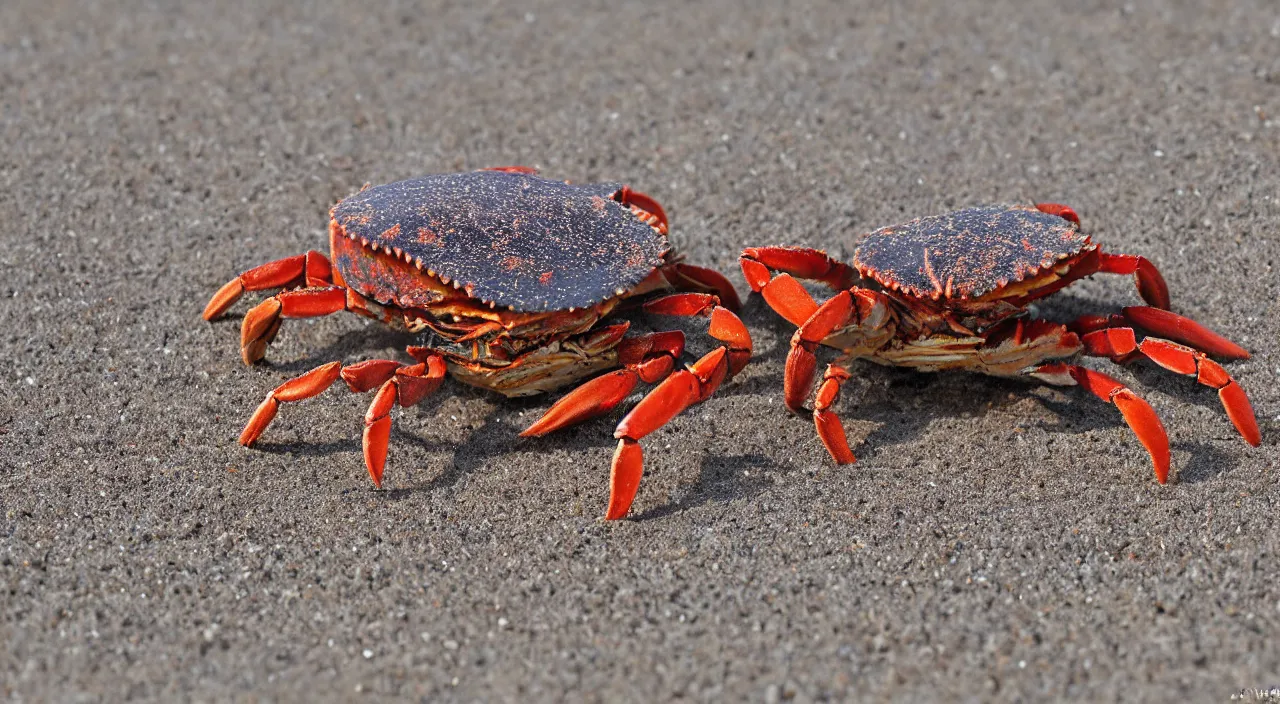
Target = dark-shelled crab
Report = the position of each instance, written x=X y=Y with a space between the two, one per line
x=951 y=292
x=516 y=283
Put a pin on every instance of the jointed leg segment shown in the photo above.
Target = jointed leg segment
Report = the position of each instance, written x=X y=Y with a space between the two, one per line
x=830 y=429
x=1120 y=344
x=783 y=293
x=311 y=269
x=1137 y=412
x=651 y=358
x=399 y=383
x=1151 y=285
x=263 y=321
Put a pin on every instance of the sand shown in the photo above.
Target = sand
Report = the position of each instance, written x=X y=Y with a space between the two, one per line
x=995 y=541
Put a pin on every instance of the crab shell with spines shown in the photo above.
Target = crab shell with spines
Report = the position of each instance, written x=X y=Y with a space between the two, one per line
x=951 y=292
x=518 y=283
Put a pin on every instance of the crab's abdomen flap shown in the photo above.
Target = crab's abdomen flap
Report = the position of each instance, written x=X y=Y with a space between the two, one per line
x=511 y=239
x=967 y=253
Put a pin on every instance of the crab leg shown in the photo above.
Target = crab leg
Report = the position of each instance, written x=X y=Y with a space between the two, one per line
x=1121 y=344
x=784 y=294
x=724 y=325
x=801 y=361
x=1166 y=324
x=835 y=313
x=407 y=386
x=312 y=269
x=1065 y=212
x=400 y=382
x=1139 y=414
x=830 y=429
x=647 y=358
x=296 y=389
x=678 y=391
x=1151 y=285
x=261 y=323
x=647 y=205
x=697 y=278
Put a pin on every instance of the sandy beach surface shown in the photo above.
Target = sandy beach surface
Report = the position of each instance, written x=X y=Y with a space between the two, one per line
x=996 y=540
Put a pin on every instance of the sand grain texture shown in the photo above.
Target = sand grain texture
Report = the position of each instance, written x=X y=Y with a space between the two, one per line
x=995 y=541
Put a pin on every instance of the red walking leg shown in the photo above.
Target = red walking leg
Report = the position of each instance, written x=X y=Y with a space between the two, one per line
x=647 y=358
x=1151 y=285
x=260 y=324
x=310 y=269
x=399 y=383
x=679 y=390
x=407 y=386
x=1139 y=414
x=1165 y=324
x=830 y=429
x=783 y=293
x=1121 y=344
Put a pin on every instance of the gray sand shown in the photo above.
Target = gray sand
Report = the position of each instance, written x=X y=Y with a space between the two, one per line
x=995 y=540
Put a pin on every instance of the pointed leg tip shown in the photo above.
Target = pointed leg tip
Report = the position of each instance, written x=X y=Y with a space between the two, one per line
x=616 y=514
x=376 y=436
x=624 y=478
x=375 y=473
x=1251 y=435
x=1236 y=403
x=253 y=353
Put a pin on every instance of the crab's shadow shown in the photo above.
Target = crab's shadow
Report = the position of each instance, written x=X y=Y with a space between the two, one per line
x=898 y=404
x=721 y=479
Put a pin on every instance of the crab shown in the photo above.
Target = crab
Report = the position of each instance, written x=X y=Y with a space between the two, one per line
x=516 y=284
x=952 y=291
